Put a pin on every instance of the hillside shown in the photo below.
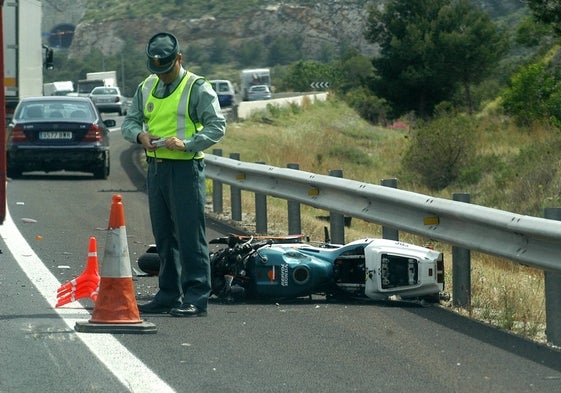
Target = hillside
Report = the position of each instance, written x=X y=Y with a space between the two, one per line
x=111 y=26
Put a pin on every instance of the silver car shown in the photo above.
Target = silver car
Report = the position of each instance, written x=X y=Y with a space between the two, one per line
x=259 y=92
x=109 y=99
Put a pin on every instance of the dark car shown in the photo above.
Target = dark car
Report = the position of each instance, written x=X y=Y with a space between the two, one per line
x=109 y=99
x=58 y=133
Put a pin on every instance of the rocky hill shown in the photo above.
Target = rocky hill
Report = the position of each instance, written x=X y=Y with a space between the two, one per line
x=327 y=23
x=117 y=25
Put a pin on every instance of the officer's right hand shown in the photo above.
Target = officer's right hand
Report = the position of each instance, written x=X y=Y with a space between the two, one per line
x=145 y=139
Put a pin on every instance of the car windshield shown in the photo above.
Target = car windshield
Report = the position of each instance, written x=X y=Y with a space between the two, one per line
x=223 y=88
x=54 y=110
x=104 y=90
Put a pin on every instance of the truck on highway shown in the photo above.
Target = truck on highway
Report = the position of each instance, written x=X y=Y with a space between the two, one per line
x=24 y=52
x=96 y=79
x=24 y=56
x=58 y=88
x=253 y=77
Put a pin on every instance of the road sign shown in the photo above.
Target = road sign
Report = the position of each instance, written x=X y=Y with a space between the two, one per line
x=319 y=85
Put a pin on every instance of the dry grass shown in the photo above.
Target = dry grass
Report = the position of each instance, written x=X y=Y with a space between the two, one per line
x=328 y=136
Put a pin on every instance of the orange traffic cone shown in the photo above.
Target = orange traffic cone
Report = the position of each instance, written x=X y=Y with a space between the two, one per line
x=86 y=284
x=115 y=309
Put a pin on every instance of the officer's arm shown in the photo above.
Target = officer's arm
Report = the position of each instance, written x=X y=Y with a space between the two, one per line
x=205 y=109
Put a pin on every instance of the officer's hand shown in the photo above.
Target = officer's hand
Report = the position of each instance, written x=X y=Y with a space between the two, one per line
x=174 y=143
x=145 y=139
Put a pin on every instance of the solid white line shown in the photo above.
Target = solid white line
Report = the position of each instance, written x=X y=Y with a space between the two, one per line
x=132 y=372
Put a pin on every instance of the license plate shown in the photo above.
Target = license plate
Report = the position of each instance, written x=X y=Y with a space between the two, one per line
x=52 y=135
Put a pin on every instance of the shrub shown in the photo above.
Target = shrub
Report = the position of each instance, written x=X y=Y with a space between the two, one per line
x=440 y=150
x=368 y=106
x=531 y=95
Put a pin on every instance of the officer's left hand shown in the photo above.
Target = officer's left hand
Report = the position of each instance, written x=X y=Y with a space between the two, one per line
x=174 y=143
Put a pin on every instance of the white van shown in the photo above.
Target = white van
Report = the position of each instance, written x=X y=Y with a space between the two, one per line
x=225 y=91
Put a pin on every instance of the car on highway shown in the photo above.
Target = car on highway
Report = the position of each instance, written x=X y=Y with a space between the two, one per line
x=259 y=92
x=54 y=133
x=225 y=91
x=109 y=99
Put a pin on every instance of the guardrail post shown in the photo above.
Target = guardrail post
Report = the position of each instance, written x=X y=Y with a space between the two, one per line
x=336 y=220
x=236 y=195
x=553 y=293
x=461 y=267
x=217 y=206
x=387 y=232
x=260 y=211
x=294 y=220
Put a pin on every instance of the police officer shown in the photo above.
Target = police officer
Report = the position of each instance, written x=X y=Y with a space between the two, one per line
x=175 y=115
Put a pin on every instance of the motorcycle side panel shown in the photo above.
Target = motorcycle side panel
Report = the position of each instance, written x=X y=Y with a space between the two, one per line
x=286 y=272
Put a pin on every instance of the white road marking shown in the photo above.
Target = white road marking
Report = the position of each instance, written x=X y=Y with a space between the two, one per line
x=130 y=370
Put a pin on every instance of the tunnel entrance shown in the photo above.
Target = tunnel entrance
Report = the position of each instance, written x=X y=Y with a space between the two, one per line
x=61 y=36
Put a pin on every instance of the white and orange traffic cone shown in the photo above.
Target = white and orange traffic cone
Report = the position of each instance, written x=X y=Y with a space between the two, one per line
x=86 y=285
x=115 y=309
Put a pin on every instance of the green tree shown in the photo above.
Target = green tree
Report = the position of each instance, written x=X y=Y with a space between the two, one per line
x=531 y=95
x=531 y=32
x=548 y=12
x=428 y=48
x=469 y=44
x=284 y=50
x=406 y=74
x=252 y=54
x=351 y=71
x=303 y=73
x=219 y=52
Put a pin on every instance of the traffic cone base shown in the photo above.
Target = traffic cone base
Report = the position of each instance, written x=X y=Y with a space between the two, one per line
x=121 y=328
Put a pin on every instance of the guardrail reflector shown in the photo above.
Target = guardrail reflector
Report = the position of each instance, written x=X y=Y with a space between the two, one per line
x=431 y=220
x=240 y=176
x=313 y=191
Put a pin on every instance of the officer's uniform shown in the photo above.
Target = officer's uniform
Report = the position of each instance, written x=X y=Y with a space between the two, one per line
x=187 y=109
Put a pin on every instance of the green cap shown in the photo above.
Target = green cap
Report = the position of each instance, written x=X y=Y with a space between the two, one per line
x=162 y=51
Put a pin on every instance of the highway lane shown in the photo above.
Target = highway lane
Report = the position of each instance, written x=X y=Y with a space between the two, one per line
x=309 y=345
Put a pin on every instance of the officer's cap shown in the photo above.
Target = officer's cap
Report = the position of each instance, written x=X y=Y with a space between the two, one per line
x=162 y=51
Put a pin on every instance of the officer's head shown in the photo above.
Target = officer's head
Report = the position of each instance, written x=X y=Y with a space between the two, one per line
x=163 y=52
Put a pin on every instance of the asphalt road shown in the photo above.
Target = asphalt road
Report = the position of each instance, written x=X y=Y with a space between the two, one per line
x=309 y=345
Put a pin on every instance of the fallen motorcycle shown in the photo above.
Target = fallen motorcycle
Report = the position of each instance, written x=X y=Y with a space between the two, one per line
x=261 y=268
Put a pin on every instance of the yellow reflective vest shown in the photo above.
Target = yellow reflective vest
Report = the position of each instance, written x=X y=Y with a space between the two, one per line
x=169 y=116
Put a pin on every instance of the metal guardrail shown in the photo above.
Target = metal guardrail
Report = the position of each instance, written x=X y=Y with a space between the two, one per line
x=529 y=240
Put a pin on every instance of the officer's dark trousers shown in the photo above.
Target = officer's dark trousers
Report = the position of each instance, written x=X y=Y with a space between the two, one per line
x=176 y=197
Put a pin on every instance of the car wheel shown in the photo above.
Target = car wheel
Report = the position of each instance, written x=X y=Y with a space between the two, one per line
x=102 y=171
x=14 y=173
